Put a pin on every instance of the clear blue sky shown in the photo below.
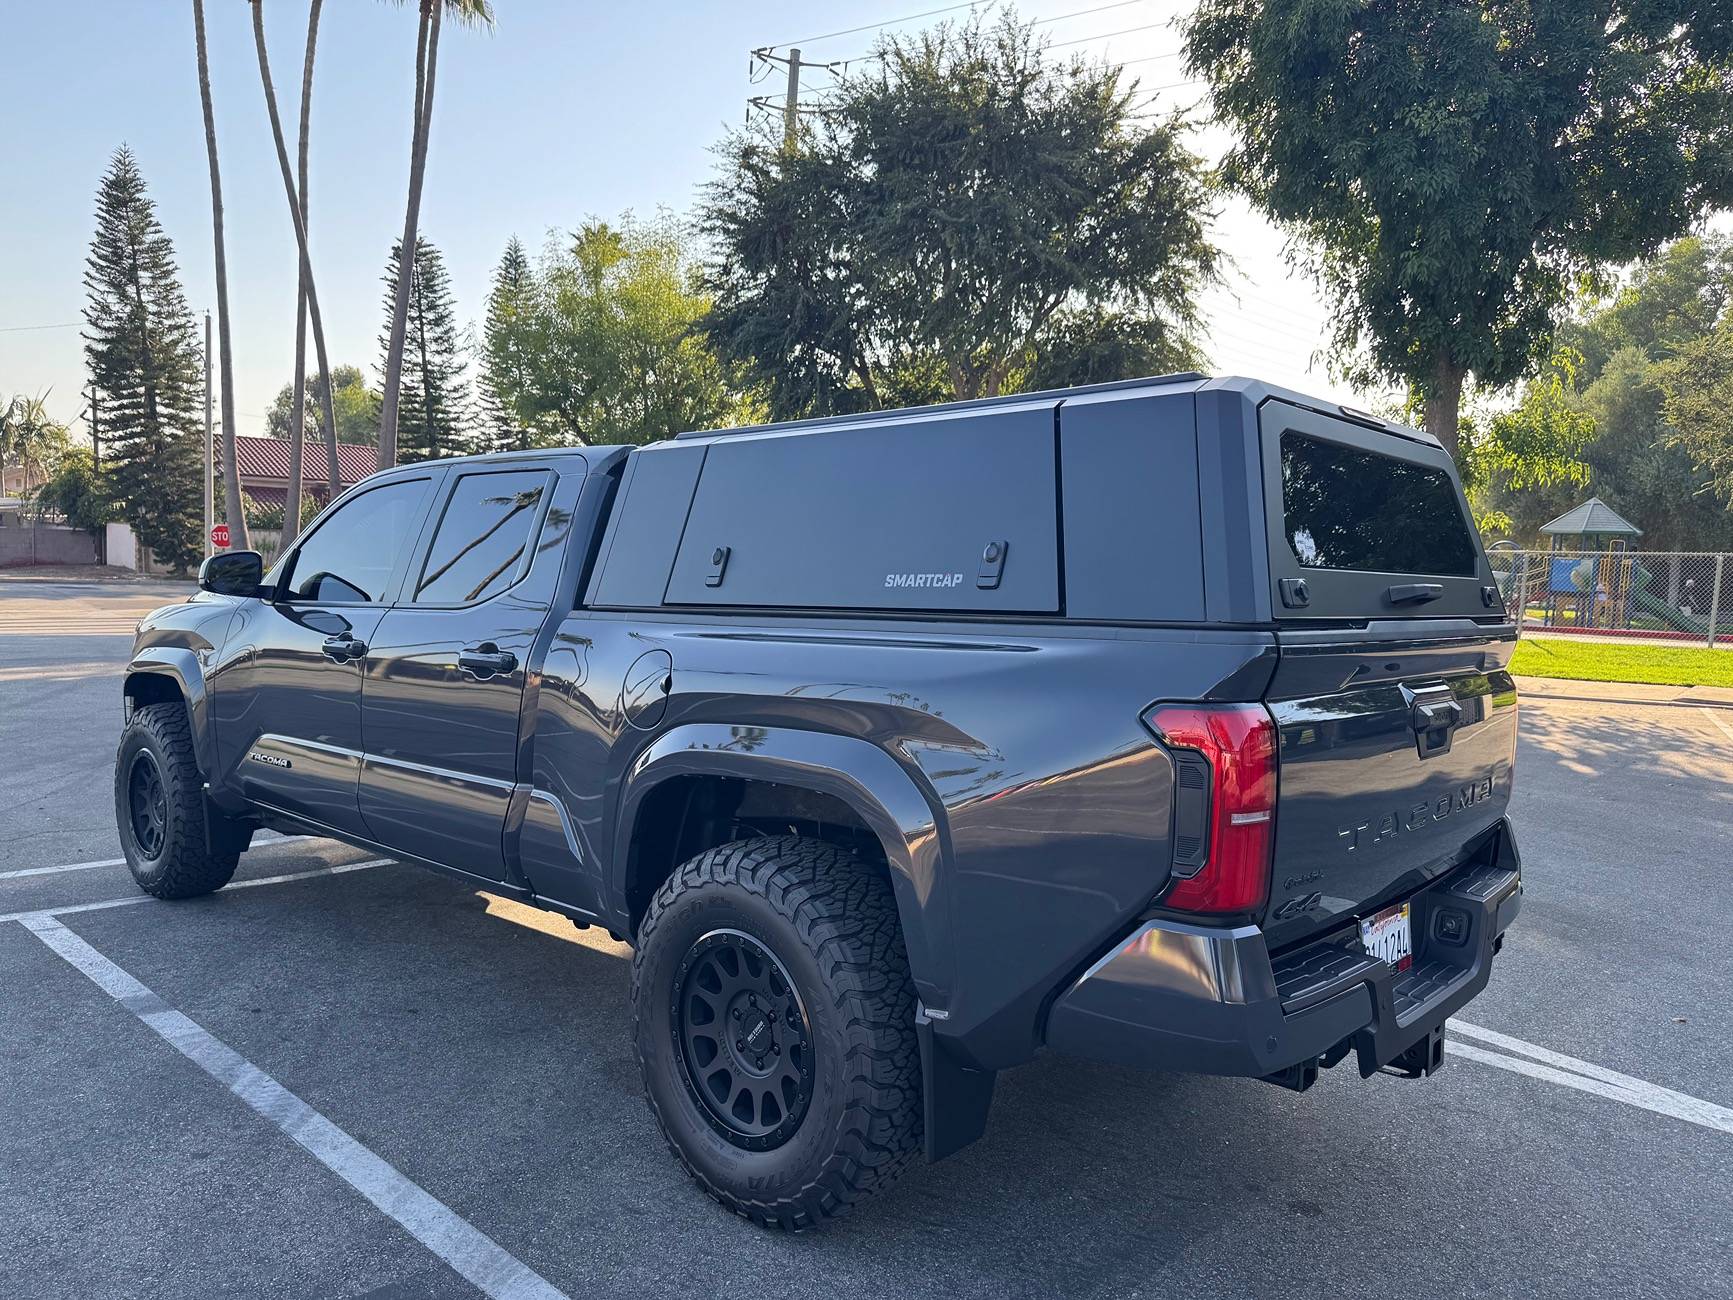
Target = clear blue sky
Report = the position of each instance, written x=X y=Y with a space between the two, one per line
x=569 y=109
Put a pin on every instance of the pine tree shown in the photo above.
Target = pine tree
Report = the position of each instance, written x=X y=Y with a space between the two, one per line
x=507 y=354
x=142 y=348
x=433 y=418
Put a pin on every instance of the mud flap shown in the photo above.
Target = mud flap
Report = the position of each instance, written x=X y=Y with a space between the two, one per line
x=955 y=1097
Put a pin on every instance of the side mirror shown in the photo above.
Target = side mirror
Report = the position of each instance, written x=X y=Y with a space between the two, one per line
x=233 y=573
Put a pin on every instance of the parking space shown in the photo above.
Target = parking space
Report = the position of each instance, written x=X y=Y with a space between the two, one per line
x=424 y=1084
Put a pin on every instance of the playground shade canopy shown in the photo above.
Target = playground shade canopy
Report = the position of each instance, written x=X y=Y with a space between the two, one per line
x=1593 y=518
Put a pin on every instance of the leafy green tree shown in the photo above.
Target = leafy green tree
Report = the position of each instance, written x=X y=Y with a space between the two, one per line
x=508 y=355
x=434 y=417
x=1641 y=467
x=613 y=349
x=1697 y=387
x=1635 y=460
x=1676 y=296
x=1451 y=169
x=355 y=407
x=1098 y=344
x=967 y=215
x=141 y=347
x=77 y=491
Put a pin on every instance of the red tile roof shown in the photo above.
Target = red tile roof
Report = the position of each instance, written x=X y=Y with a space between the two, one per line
x=268 y=458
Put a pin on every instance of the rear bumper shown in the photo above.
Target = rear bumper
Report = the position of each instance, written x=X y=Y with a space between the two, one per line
x=1210 y=1000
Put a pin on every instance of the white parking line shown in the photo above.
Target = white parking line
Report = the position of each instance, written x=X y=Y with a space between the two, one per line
x=62 y=672
x=464 y=1247
x=118 y=862
x=1585 y=1076
x=132 y=899
x=1714 y=716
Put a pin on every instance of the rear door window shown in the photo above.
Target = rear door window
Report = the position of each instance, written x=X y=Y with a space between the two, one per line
x=482 y=545
x=945 y=512
x=1366 y=524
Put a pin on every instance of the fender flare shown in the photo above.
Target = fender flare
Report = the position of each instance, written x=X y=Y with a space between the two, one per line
x=181 y=666
x=882 y=793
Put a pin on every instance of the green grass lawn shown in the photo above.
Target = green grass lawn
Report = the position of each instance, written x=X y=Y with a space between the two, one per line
x=1598 y=661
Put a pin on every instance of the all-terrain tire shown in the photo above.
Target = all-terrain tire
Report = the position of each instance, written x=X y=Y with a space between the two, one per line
x=830 y=920
x=183 y=863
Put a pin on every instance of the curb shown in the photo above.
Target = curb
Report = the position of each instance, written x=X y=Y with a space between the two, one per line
x=1675 y=702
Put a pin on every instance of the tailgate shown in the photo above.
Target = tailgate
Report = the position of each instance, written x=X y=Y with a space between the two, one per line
x=1395 y=713
x=1396 y=753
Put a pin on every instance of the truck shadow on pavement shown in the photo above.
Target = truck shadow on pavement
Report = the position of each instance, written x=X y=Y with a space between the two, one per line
x=484 y=1049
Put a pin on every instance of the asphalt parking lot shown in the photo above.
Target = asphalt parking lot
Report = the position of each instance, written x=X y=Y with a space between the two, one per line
x=348 y=1078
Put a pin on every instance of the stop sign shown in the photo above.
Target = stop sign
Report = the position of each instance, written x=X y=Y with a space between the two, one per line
x=220 y=536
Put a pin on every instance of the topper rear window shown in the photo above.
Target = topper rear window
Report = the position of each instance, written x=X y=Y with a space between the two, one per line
x=1346 y=508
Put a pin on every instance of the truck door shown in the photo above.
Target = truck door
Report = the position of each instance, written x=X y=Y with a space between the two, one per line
x=287 y=696
x=448 y=665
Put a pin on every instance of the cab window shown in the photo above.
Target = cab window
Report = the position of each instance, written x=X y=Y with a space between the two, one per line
x=349 y=560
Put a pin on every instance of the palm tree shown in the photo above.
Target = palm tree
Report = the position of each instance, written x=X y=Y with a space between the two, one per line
x=477 y=13
x=296 y=199
x=238 y=537
x=297 y=421
x=29 y=437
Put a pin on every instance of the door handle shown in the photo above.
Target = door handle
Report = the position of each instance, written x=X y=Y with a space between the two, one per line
x=1414 y=593
x=344 y=648
x=486 y=660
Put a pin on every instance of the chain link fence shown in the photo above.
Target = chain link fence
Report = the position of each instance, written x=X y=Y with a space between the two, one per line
x=1679 y=596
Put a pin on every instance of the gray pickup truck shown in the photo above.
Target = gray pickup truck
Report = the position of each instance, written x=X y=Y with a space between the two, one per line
x=1164 y=723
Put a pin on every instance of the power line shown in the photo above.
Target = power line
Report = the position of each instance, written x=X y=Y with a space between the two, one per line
x=1079 y=13
x=1106 y=36
x=873 y=27
x=20 y=329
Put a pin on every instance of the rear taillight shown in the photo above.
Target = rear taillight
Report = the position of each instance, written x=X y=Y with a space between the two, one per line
x=1224 y=804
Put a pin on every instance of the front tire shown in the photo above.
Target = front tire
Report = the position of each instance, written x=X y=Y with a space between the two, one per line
x=775 y=1026
x=159 y=808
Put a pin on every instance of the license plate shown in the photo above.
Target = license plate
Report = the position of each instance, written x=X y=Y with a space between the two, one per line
x=1389 y=937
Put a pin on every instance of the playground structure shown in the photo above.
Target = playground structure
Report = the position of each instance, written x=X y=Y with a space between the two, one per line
x=1589 y=580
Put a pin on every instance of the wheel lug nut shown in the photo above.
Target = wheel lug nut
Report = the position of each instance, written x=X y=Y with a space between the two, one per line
x=773 y=1017
x=737 y=1013
x=752 y=998
x=740 y=1044
x=776 y=1049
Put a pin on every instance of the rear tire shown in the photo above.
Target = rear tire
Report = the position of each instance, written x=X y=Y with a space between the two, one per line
x=818 y=1106
x=159 y=808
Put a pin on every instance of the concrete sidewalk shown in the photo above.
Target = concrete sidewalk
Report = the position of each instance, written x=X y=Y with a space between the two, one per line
x=1567 y=688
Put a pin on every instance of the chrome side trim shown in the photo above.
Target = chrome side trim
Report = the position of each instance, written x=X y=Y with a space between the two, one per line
x=441 y=773
x=553 y=801
x=296 y=742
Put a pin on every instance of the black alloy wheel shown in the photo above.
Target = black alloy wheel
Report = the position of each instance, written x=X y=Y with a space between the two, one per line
x=743 y=1039
x=147 y=803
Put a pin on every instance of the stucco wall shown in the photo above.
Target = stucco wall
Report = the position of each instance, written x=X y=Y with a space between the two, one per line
x=45 y=544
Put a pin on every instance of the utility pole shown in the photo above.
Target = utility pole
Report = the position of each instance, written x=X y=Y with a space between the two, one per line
x=791 y=103
x=209 y=550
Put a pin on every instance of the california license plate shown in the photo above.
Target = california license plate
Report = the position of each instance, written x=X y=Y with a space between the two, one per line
x=1389 y=937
